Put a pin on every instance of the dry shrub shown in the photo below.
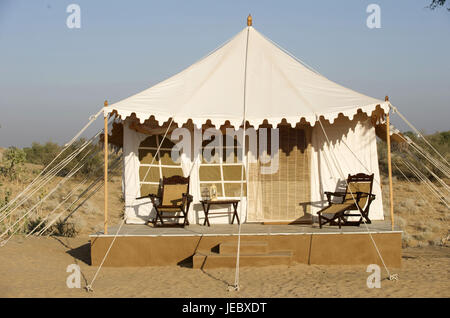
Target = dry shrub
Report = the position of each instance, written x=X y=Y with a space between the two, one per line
x=59 y=228
x=408 y=240
x=36 y=224
x=421 y=203
x=88 y=207
x=424 y=237
x=401 y=222
x=408 y=206
x=79 y=222
x=66 y=229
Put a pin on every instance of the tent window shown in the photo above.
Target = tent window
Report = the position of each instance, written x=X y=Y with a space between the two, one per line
x=225 y=172
x=162 y=166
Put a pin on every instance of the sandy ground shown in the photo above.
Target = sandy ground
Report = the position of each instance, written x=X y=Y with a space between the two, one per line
x=36 y=267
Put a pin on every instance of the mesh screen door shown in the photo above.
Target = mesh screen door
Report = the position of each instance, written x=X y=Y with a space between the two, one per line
x=283 y=195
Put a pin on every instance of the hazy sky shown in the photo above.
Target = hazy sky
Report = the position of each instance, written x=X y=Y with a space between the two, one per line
x=53 y=78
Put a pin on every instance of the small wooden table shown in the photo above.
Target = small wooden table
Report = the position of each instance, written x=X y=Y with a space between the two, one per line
x=207 y=204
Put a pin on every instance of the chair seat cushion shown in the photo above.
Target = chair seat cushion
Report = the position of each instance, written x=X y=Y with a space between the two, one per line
x=337 y=208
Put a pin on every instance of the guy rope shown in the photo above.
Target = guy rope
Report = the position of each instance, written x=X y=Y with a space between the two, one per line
x=89 y=287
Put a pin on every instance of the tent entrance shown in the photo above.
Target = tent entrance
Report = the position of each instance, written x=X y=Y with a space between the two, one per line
x=283 y=195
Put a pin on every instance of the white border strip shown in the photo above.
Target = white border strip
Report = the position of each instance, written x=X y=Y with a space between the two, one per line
x=248 y=234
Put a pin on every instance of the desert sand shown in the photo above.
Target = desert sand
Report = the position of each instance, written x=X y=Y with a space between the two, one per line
x=36 y=267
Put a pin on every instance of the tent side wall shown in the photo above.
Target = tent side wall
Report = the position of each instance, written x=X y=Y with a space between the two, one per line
x=353 y=150
x=140 y=211
x=136 y=212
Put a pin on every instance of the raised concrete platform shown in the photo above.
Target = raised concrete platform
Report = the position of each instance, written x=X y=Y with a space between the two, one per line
x=245 y=248
x=251 y=254
x=200 y=246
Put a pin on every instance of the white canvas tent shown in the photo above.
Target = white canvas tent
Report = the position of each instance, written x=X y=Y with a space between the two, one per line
x=250 y=77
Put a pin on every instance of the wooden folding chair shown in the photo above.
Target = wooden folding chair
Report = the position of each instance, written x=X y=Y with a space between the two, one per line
x=357 y=196
x=173 y=202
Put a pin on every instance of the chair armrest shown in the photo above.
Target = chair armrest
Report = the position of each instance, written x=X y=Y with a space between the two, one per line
x=151 y=196
x=370 y=195
x=188 y=197
x=148 y=196
x=336 y=194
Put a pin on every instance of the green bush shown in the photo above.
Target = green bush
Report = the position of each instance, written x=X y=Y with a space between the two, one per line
x=440 y=141
x=91 y=156
x=42 y=154
x=12 y=162
x=5 y=196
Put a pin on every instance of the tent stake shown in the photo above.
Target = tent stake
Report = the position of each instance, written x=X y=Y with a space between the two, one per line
x=388 y=140
x=106 y=171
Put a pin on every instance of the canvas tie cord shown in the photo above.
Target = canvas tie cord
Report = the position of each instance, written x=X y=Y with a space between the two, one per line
x=50 y=174
x=66 y=146
x=97 y=184
x=426 y=181
x=396 y=111
x=430 y=184
x=392 y=277
x=47 y=177
x=89 y=286
x=72 y=172
x=436 y=163
x=69 y=195
x=236 y=276
x=444 y=185
x=415 y=188
x=66 y=197
x=435 y=176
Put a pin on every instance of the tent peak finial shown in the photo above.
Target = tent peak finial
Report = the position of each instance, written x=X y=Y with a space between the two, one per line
x=386 y=98
x=105 y=103
x=249 y=20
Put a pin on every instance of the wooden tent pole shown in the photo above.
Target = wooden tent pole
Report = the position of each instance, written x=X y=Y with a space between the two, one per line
x=106 y=172
x=388 y=140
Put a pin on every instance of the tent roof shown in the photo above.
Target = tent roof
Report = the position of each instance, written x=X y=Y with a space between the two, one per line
x=247 y=70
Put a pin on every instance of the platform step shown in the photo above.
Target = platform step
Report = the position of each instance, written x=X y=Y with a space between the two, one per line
x=246 y=248
x=215 y=260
